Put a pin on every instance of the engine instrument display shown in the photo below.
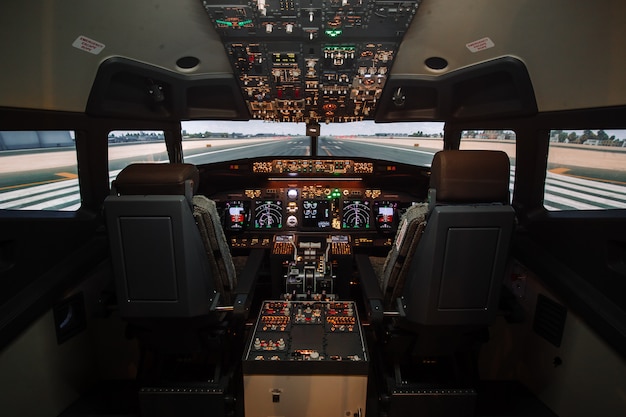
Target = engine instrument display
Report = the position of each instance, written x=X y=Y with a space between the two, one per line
x=316 y=214
x=268 y=214
x=355 y=214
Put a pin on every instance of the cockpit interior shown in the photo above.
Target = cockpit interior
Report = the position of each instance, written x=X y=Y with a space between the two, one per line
x=280 y=208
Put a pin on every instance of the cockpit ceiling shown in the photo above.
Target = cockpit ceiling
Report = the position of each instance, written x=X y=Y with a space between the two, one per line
x=316 y=60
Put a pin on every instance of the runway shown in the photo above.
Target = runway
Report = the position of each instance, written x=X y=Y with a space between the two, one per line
x=56 y=188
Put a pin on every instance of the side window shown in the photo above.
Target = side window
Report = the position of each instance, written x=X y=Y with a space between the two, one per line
x=128 y=147
x=38 y=171
x=501 y=140
x=586 y=170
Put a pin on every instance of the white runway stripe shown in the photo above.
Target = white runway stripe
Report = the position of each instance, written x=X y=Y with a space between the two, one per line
x=564 y=203
x=581 y=196
x=63 y=192
x=586 y=182
x=37 y=189
x=61 y=195
x=613 y=197
x=57 y=203
x=565 y=192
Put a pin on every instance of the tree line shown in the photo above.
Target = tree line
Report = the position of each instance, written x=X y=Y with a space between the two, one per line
x=596 y=138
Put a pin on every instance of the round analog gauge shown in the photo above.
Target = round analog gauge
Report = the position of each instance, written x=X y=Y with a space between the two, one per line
x=292 y=193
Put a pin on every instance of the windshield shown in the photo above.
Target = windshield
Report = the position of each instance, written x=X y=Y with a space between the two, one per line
x=215 y=141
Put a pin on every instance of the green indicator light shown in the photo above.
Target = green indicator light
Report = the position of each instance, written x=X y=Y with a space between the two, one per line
x=223 y=22
x=245 y=22
x=333 y=33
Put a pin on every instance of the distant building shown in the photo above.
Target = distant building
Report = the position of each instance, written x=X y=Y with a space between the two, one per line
x=496 y=135
x=12 y=140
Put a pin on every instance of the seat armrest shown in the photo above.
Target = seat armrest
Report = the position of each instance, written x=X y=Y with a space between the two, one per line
x=372 y=294
x=244 y=292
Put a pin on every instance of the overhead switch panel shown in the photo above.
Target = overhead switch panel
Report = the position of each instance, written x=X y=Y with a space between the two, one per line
x=311 y=60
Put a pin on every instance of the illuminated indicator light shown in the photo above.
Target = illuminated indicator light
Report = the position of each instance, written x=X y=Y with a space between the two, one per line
x=340 y=48
x=244 y=22
x=223 y=22
x=333 y=33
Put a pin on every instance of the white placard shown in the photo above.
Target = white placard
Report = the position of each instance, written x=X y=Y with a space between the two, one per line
x=88 y=45
x=480 y=45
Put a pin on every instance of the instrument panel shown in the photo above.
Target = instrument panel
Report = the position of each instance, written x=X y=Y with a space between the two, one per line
x=292 y=208
x=264 y=198
x=313 y=208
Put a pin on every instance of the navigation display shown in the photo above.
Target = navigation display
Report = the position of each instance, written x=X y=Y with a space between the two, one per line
x=316 y=214
x=236 y=215
x=268 y=214
x=355 y=214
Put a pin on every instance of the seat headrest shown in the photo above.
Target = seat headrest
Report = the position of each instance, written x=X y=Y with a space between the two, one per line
x=157 y=179
x=472 y=176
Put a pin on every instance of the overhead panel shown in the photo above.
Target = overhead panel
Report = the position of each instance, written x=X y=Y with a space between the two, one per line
x=311 y=60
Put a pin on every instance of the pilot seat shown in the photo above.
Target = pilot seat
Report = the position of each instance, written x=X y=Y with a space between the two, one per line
x=177 y=288
x=437 y=291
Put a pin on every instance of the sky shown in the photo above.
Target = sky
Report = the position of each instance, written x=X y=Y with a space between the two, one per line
x=357 y=128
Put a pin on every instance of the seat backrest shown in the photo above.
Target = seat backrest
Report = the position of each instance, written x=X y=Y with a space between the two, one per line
x=216 y=246
x=457 y=250
x=165 y=262
x=410 y=230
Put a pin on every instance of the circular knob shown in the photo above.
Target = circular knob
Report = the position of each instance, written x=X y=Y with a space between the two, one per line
x=292 y=221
